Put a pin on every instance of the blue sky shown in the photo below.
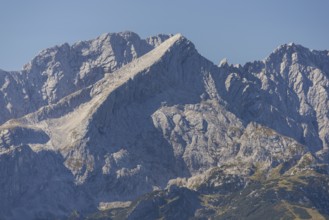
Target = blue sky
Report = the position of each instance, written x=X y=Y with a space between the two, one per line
x=240 y=30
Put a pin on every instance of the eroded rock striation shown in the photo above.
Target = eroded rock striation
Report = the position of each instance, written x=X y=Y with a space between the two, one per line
x=102 y=123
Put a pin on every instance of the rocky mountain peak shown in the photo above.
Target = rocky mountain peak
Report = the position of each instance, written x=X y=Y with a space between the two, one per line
x=297 y=54
x=58 y=71
x=118 y=119
x=158 y=39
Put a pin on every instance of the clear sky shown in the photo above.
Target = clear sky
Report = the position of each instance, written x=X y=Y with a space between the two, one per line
x=240 y=30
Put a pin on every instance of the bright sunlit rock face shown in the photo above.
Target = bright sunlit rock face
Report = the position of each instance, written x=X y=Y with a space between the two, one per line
x=102 y=122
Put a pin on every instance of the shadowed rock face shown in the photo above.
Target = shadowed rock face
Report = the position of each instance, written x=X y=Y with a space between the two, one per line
x=117 y=117
x=38 y=181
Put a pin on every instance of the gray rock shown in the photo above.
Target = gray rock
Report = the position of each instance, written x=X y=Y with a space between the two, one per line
x=113 y=118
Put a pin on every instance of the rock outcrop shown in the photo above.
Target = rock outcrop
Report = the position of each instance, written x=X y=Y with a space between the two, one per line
x=104 y=122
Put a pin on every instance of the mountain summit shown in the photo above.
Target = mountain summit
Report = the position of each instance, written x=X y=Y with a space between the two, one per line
x=121 y=127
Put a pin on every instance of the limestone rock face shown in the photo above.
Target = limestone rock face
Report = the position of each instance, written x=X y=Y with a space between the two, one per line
x=287 y=92
x=102 y=122
x=61 y=70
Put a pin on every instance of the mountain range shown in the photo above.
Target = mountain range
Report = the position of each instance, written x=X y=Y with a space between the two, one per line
x=120 y=127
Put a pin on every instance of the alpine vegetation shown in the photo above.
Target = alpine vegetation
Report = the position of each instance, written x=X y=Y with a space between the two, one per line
x=120 y=127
